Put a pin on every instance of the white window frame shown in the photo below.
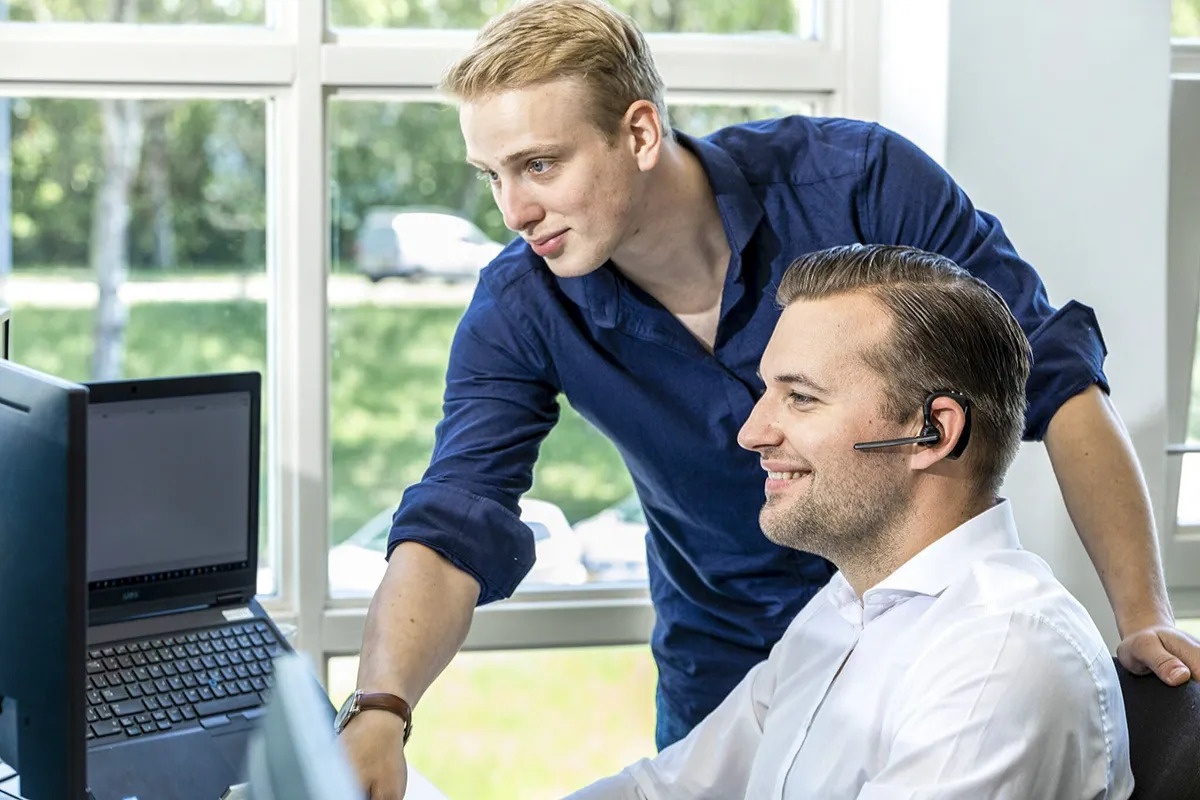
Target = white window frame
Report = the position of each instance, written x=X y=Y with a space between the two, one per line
x=1183 y=303
x=296 y=63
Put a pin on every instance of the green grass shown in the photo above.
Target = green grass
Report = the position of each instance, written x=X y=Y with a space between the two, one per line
x=528 y=725
x=388 y=370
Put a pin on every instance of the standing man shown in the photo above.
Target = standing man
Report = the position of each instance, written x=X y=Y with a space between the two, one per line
x=642 y=288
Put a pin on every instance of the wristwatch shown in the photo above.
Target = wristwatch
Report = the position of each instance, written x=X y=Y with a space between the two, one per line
x=362 y=701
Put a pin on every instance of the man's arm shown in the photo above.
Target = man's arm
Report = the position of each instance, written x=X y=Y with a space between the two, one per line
x=1109 y=504
x=417 y=621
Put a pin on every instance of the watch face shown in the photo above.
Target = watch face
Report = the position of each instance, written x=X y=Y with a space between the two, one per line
x=347 y=712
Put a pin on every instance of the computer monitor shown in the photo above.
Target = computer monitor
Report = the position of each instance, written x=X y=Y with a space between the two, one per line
x=295 y=755
x=43 y=601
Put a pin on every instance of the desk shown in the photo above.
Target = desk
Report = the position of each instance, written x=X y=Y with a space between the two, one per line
x=419 y=787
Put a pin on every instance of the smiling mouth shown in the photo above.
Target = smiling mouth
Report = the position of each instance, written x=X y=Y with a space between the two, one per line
x=785 y=476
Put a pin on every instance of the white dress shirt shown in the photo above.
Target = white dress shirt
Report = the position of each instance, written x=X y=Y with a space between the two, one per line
x=968 y=673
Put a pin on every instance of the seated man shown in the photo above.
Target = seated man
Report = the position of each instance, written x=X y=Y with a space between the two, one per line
x=942 y=660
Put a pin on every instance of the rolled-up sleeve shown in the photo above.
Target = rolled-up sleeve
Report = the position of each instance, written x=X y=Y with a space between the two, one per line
x=910 y=200
x=499 y=404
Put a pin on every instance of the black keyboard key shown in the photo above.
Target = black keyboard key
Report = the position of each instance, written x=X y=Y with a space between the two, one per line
x=121 y=650
x=128 y=707
x=151 y=703
x=163 y=725
x=95 y=654
x=114 y=695
x=94 y=698
x=134 y=690
x=159 y=716
x=188 y=712
x=94 y=667
x=104 y=712
x=143 y=719
x=227 y=705
x=125 y=661
x=175 y=715
x=106 y=728
x=111 y=664
x=108 y=652
x=149 y=727
x=91 y=715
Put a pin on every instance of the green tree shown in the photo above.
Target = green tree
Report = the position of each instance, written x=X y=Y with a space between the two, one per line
x=1185 y=19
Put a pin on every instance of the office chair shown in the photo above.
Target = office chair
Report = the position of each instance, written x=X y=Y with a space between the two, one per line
x=1164 y=736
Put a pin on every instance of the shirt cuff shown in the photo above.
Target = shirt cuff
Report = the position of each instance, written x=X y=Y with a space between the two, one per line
x=475 y=533
x=1068 y=357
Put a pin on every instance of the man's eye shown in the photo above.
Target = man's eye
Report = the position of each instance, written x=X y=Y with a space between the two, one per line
x=487 y=176
x=539 y=166
x=799 y=399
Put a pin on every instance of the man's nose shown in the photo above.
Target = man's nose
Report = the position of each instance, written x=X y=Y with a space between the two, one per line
x=518 y=208
x=759 y=429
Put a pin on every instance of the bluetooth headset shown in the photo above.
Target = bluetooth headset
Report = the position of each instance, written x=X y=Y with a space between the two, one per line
x=931 y=434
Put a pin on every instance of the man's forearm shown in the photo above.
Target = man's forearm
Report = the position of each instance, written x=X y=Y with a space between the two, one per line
x=418 y=620
x=1107 y=498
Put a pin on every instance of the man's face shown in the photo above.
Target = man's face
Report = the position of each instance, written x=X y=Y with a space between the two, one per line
x=823 y=496
x=556 y=179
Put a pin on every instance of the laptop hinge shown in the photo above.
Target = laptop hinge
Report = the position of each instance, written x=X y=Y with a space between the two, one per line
x=230 y=597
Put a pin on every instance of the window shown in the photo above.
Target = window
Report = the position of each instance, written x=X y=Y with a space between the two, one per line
x=137 y=238
x=691 y=16
x=1185 y=19
x=209 y=12
x=555 y=720
x=308 y=149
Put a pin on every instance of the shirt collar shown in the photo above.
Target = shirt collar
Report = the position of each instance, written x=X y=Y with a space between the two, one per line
x=740 y=210
x=930 y=571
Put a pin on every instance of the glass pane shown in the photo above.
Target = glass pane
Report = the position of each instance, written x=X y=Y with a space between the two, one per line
x=654 y=16
x=412 y=228
x=137 y=231
x=528 y=724
x=196 y=12
x=1185 y=19
x=1189 y=478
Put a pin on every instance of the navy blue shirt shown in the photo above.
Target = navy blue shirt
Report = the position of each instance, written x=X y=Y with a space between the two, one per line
x=723 y=593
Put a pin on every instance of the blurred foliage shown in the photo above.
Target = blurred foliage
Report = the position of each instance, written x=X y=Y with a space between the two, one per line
x=692 y=16
x=215 y=12
x=1185 y=19
x=216 y=167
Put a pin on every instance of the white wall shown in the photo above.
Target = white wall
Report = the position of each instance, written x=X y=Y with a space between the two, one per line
x=1055 y=118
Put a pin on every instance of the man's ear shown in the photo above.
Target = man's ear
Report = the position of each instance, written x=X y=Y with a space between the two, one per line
x=950 y=418
x=644 y=127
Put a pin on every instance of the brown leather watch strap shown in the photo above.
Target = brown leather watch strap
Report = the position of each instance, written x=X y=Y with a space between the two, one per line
x=388 y=702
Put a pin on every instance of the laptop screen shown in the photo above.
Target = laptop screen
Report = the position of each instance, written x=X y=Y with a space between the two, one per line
x=169 y=488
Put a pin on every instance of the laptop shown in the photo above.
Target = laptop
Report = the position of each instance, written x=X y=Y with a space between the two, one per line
x=179 y=658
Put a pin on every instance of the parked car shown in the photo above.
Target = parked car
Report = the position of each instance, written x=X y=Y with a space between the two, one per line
x=421 y=243
x=356 y=566
x=614 y=542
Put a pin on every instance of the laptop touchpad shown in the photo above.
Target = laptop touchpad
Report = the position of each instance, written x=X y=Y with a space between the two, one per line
x=186 y=766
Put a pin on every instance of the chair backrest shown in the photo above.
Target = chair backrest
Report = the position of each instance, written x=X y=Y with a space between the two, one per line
x=1164 y=736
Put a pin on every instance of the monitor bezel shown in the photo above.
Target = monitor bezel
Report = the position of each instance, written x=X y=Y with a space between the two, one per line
x=127 y=599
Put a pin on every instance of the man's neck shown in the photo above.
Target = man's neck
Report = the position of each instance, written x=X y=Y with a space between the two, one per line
x=928 y=519
x=676 y=249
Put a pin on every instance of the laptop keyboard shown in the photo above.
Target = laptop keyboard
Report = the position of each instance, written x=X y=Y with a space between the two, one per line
x=146 y=686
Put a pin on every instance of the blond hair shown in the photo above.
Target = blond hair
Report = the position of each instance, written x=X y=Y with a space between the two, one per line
x=538 y=41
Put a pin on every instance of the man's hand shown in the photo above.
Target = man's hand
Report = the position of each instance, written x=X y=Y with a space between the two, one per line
x=1171 y=654
x=374 y=742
